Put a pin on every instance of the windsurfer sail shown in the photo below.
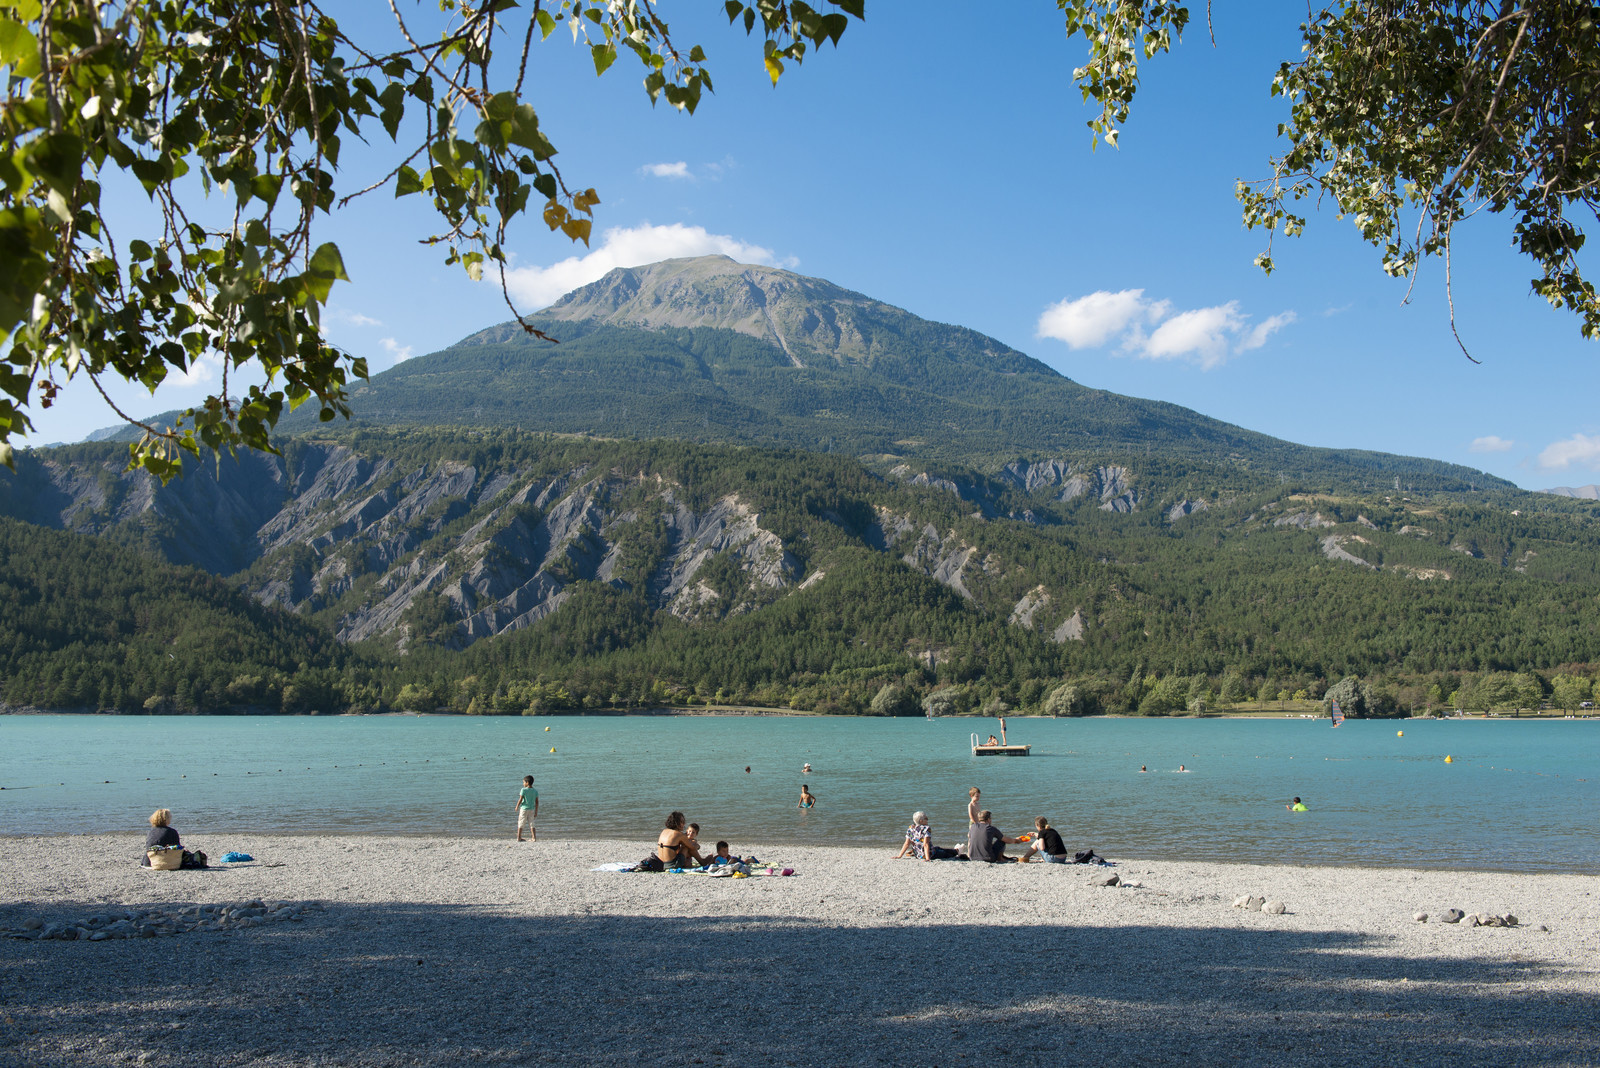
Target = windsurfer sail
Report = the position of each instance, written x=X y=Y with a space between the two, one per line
x=1338 y=715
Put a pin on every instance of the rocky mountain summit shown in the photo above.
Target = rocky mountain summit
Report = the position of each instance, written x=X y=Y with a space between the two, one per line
x=707 y=349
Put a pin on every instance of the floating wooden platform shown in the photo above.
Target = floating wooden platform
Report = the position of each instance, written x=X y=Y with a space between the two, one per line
x=1001 y=750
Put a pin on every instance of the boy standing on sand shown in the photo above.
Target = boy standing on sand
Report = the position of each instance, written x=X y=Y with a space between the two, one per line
x=527 y=809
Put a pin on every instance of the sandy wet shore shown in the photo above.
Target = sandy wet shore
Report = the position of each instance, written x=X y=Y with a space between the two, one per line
x=454 y=951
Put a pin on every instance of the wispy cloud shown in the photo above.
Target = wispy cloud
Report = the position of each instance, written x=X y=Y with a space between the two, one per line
x=198 y=373
x=1149 y=329
x=353 y=318
x=537 y=287
x=1581 y=450
x=666 y=170
x=1492 y=443
x=401 y=353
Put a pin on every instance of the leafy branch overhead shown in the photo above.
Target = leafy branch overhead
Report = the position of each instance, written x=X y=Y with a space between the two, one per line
x=1410 y=115
x=232 y=116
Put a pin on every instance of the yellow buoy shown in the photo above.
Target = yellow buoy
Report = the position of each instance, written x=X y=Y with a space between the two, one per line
x=1397 y=734
x=1447 y=759
x=553 y=749
x=547 y=728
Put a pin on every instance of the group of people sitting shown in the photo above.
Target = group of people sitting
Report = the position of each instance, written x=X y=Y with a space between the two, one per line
x=678 y=846
x=986 y=843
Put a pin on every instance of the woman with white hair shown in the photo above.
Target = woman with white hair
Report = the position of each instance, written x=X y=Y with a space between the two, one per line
x=918 y=846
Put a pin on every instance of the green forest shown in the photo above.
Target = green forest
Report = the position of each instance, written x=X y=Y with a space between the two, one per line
x=1236 y=603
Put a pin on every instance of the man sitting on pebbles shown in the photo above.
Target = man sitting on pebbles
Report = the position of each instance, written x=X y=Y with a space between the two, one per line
x=986 y=843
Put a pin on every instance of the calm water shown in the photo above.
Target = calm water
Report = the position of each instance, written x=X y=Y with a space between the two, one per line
x=1519 y=795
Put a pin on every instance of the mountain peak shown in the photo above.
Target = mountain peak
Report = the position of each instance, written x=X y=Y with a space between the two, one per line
x=808 y=318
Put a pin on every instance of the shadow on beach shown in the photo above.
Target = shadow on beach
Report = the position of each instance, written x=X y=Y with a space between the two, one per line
x=437 y=985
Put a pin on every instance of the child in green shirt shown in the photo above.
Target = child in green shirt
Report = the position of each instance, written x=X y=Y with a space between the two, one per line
x=527 y=808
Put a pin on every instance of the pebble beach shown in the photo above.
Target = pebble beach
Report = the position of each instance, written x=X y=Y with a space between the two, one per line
x=367 y=950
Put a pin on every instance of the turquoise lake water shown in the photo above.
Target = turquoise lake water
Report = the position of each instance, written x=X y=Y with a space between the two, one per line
x=1518 y=796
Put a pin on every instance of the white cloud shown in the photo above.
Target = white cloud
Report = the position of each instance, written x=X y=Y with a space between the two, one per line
x=401 y=353
x=1201 y=335
x=354 y=318
x=198 y=373
x=1204 y=336
x=667 y=170
x=1091 y=321
x=1492 y=443
x=537 y=287
x=1266 y=328
x=1580 y=449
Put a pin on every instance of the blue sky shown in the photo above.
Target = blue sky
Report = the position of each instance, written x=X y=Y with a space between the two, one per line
x=944 y=166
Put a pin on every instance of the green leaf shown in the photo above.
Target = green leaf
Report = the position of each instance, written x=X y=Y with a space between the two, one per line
x=19 y=50
x=327 y=266
x=407 y=182
x=604 y=55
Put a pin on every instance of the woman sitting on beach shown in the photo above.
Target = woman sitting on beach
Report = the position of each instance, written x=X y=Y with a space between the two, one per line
x=162 y=843
x=672 y=845
x=918 y=844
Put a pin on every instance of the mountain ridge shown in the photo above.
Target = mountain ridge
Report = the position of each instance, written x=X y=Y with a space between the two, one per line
x=710 y=350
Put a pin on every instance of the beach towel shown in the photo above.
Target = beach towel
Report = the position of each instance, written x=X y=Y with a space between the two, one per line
x=231 y=857
x=614 y=866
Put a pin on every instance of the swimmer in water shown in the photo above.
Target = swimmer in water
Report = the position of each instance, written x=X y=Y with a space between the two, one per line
x=1297 y=805
x=807 y=798
x=807 y=769
x=1182 y=768
x=1143 y=769
x=747 y=769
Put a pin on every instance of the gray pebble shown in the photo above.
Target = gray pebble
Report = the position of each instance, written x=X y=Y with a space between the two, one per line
x=1451 y=916
x=1421 y=917
x=32 y=923
x=1275 y=908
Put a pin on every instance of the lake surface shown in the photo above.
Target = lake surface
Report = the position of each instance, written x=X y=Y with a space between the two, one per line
x=1518 y=796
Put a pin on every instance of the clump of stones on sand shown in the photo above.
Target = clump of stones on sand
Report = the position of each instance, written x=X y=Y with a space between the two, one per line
x=159 y=922
x=1470 y=919
x=1257 y=903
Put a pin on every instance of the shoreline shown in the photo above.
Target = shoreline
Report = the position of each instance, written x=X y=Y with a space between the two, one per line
x=754 y=710
x=444 y=950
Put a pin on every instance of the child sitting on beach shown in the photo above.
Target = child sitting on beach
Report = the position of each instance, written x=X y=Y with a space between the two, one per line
x=721 y=856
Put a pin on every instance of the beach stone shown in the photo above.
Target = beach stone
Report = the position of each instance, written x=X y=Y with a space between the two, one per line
x=1542 y=929
x=1511 y=921
x=1242 y=901
x=1110 y=879
x=99 y=936
x=1255 y=903
x=1274 y=908
x=33 y=923
x=1452 y=916
x=1421 y=917
x=67 y=934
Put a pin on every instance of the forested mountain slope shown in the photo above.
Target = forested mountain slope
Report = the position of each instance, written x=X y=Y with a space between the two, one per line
x=710 y=350
x=513 y=571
